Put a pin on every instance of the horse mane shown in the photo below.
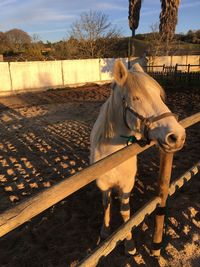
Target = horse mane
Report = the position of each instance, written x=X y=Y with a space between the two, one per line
x=138 y=80
x=106 y=120
x=105 y=129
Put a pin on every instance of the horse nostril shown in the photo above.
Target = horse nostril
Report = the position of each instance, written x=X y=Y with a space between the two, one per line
x=171 y=139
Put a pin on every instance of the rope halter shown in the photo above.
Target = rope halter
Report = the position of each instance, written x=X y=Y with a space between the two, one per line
x=145 y=122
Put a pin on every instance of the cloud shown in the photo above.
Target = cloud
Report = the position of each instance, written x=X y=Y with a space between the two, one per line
x=110 y=6
x=4 y=3
x=35 y=13
x=47 y=14
x=189 y=4
x=48 y=31
x=49 y=17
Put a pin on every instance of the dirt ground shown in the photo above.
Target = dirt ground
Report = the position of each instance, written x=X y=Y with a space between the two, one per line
x=44 y=138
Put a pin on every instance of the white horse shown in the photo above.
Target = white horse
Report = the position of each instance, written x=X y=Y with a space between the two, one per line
x=134 y=108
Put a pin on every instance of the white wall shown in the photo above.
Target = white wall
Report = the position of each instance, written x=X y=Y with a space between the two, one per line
x=157 y=61
x=25 y=76
x=80 y=71
x=5 y=79
x=106 y=67
x=194 y=60
x=173 y=60
x=37 y=74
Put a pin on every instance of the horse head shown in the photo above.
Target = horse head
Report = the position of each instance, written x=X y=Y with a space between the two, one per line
x=145 y=113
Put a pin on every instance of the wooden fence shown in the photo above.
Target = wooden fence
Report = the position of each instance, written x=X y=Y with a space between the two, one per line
x=26 y=210
x=174 y=74
x=110 y=243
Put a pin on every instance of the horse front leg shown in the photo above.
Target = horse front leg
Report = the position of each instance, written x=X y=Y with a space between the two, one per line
x=105 y=229
x=125 y=213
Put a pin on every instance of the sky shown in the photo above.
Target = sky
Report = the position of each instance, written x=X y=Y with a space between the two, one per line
x=51 y=19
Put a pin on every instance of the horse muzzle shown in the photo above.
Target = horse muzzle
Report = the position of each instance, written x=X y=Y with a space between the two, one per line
x=172 y=142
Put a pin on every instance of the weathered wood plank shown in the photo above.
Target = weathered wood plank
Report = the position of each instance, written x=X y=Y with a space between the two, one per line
x=178 y=183
x=166 y=160
x=110 y=243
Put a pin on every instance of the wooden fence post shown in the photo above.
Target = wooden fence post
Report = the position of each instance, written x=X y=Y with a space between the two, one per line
x=163 y=68
x=188 y=70
x=166 y=160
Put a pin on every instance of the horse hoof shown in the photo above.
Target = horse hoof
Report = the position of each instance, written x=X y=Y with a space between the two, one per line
x=130 y=248
x=105 y=232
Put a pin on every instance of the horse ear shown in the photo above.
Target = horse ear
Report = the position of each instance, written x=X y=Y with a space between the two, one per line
x=120 y=72
x=137 y=67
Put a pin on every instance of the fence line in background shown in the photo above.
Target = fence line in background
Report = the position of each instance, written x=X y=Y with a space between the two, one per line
x=173 y=68
x=178 y=74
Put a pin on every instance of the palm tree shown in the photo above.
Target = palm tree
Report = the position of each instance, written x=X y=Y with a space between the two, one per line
x=134 y=14
x=168 y=17
x=134 y=17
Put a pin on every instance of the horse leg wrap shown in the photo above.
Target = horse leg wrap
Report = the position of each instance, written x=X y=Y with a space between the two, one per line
x=157 y=246
x=125 y=207
x=130 y=248
x=155 y=251
x=161 y=211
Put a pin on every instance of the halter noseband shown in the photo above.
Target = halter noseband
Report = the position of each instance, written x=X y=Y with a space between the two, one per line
x=145 y=121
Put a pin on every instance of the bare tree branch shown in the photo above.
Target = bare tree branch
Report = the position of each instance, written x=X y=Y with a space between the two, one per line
x=92 y=27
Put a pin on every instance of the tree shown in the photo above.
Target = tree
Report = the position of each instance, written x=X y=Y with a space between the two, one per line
x=168 y=19
x=157 y=46
x=89 y=29
x=134 y=14
x=61 y=50
x=17 y=39
x=3 y=43
x=133 y=17
x=155 y=43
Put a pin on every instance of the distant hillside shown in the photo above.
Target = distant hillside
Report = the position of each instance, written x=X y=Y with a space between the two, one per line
x=148 y=44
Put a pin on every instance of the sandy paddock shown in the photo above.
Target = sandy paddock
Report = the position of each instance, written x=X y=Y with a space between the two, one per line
x=44 y=138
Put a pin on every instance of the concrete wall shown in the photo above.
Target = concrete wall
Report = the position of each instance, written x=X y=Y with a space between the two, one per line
x=33 y=75
x=25 y=76
x=173 y=60
x=5 y=78
x=106 y=67
x=193 y=60
x=80 y=71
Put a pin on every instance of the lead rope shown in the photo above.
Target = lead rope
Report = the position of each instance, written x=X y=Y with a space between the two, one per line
x=133 y=140
x=130 y=139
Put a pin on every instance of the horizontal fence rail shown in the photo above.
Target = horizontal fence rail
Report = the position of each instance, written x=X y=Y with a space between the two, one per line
x=120 y=234
x=174 y=74
x=26 y=210
x=174 y=68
